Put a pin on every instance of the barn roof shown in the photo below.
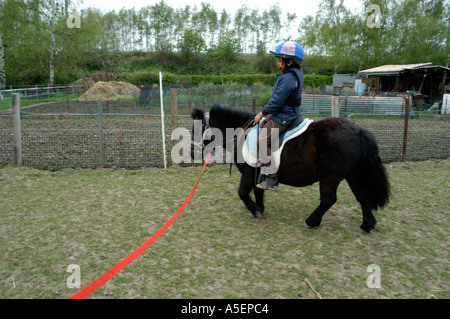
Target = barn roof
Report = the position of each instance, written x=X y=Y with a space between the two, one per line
x=396 y=69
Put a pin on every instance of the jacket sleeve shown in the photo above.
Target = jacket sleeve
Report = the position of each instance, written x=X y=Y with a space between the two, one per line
x=286 y=84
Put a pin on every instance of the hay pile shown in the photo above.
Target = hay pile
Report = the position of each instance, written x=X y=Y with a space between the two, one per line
x=110 y=91
x=87 y=82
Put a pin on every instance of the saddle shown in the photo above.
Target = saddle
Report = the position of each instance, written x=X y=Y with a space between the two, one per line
x=250 y=148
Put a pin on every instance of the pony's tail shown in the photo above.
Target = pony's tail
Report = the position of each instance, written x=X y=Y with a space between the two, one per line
x=374 y=177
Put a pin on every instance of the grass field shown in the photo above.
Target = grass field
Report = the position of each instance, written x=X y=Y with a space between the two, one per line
x=215 y=249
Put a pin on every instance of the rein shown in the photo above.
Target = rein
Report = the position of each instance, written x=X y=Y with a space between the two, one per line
x=250 y=123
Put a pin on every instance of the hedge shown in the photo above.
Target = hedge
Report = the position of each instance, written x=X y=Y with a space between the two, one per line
x=139 y=78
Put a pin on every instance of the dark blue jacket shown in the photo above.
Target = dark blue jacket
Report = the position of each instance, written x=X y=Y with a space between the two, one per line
x=286 y=90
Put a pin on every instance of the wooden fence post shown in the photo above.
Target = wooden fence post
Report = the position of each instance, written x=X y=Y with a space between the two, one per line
x=17 y=132
x=405 y=131
x=335 y=106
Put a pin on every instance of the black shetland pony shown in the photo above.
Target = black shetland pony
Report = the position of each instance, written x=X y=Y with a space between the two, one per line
x=329 y=151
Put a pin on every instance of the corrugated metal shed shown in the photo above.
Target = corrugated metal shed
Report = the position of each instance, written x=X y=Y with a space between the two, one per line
x=375 y=105
x=395 y=69
x=427 y=79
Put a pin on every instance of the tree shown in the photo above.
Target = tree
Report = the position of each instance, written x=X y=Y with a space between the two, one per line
x=190 y=46
x=410 y=31
x=224 y=24
x=255 y=33
x=274 y=15
x=52 y=8
x=264 y=61
x=225 y=54
x=161 y=16
x=241 y=25
x=206 y=22
x=423 y=20
x=2 y=54
x=334 y=32
x=182 y=19
x=26 y=50
x=289 y=22
x=49 y=21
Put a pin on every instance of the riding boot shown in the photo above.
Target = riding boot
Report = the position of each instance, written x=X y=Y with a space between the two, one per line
x=267 y=182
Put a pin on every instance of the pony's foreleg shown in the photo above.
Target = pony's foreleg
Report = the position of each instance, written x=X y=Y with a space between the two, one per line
x=259 y=196
x=327 y=199
x=246 y=186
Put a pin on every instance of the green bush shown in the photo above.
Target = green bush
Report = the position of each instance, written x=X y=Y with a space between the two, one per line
x=139 y=78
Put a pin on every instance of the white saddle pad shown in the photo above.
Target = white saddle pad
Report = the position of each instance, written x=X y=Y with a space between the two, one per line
x=250 y=149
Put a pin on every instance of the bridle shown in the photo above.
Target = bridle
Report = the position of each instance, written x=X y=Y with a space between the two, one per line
x=207 y=134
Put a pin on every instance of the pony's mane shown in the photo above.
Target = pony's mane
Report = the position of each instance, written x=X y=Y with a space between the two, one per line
x=230 y=116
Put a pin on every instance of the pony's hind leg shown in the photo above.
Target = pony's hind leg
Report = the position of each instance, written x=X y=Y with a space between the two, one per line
x=357 y=187
x=328 y=197
x=246 y=186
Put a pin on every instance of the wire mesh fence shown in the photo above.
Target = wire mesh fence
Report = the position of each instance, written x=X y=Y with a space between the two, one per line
x=42 y=94
x=128 y=134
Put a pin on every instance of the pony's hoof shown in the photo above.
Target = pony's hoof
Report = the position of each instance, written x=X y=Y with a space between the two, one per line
x=307 y=226
x=258 y=214
x=363 y=232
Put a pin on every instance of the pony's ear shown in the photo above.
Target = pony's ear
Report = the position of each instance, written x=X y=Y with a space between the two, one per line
x=197 y=113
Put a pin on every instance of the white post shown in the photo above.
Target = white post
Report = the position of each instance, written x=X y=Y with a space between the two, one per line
x=100 y=129
x=162 y=119
x=17 y=132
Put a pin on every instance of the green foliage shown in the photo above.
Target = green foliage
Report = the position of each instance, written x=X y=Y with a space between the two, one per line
x=264 y=62
x=317 y=80
x=410 y=31
x=190 y=46
x=139 y=78
x=227 y=51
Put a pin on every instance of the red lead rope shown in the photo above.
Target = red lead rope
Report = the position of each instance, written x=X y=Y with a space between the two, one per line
x=111 y=273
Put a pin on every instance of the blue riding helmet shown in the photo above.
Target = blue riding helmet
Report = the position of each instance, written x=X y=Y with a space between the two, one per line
x=289 y=50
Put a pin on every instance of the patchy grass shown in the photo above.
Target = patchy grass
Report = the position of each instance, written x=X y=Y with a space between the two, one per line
x=215 y=249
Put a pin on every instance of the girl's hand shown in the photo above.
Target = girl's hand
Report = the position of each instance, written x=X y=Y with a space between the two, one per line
x=258 y=117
